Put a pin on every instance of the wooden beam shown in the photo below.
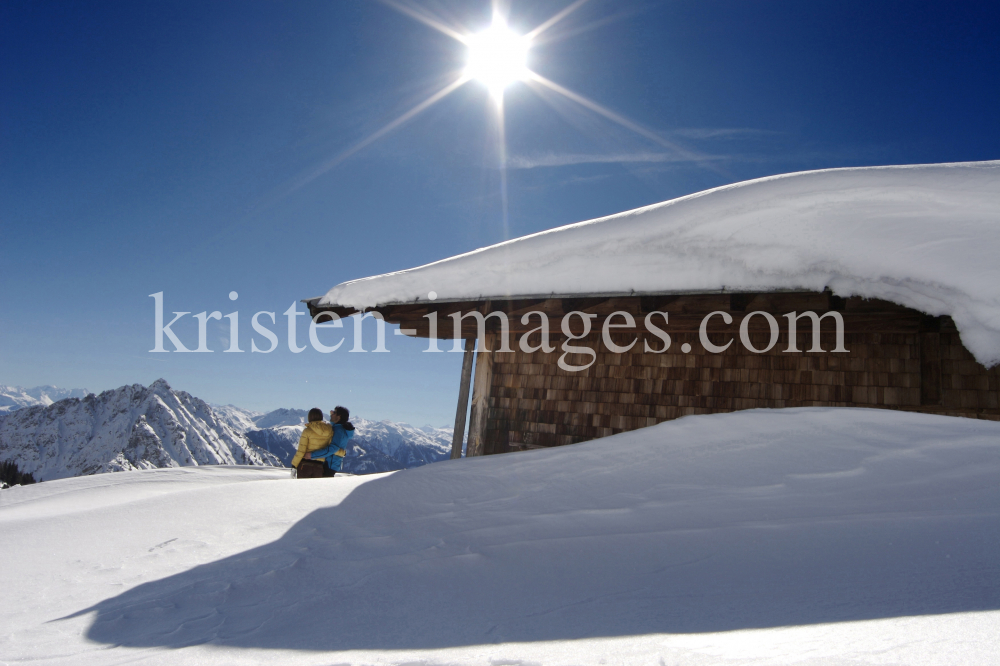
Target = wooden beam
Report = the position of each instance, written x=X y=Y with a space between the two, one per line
x=686 y=311
x=481 y=396
x=463 y=398
x=929 y=340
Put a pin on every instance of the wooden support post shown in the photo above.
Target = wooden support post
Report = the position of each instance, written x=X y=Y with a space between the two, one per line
x=463 y=398
x=481 y=396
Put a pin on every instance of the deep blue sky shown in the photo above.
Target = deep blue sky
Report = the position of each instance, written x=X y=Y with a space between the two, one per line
x=156 y=146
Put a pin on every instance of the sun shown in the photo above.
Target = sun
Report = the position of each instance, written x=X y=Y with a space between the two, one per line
x=497 y=57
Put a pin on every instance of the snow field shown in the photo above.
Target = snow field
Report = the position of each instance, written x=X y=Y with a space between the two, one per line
x=799 y=536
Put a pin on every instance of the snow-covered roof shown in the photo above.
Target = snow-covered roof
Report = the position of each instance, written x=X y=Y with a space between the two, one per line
x=923 y=236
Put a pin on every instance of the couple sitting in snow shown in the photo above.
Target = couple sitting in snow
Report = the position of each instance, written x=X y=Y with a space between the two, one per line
x=325 y=441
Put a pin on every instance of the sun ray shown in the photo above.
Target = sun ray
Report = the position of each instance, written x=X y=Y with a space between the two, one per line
x=426 y=20
x=497 y=58
x=555 y=19
x=502 y=149
x=373 y=137
x=697 y=158
x=593 y=25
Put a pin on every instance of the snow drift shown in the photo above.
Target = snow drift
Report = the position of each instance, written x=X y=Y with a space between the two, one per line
x=926 y=237
x=836 y=535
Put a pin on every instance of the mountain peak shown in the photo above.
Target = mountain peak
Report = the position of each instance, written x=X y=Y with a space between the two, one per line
x=131 y=427
x=159 y=385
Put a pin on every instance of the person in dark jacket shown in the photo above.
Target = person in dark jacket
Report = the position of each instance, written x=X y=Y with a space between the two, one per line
x=343 y=431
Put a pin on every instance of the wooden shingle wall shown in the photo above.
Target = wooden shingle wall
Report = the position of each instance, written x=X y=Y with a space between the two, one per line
x=967 y=388
x=534 y=403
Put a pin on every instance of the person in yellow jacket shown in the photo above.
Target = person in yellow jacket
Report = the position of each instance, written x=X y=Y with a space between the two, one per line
x=316 y=436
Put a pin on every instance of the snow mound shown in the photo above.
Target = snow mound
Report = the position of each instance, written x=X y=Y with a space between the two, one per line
x=765 y=536
x=925 y=236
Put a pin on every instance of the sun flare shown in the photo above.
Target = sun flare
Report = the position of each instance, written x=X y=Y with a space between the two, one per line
x=497 y=57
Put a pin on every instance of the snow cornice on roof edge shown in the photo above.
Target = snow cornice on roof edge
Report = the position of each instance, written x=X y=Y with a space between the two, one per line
x=922 y=236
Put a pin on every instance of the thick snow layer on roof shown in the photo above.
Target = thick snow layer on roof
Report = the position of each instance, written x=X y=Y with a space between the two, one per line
x=925 y=236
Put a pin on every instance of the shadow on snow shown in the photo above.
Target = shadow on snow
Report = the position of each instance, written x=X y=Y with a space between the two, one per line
x=470 y=555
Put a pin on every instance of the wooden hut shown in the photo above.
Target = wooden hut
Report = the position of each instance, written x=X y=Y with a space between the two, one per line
x=730 y=348
x=896 y=358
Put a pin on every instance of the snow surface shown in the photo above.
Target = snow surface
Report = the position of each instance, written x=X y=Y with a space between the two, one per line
x=796 y=536
x=925 y=236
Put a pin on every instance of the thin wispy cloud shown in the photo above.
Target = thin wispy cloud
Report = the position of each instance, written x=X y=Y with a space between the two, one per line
x=567 y=159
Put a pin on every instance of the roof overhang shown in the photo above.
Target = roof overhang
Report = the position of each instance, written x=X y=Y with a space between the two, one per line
x=686 y=309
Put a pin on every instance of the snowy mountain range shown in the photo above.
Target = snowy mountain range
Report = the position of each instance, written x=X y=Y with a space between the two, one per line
x=137 y=427
x=236 y=418
x=131 y=427
x=15 y=397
